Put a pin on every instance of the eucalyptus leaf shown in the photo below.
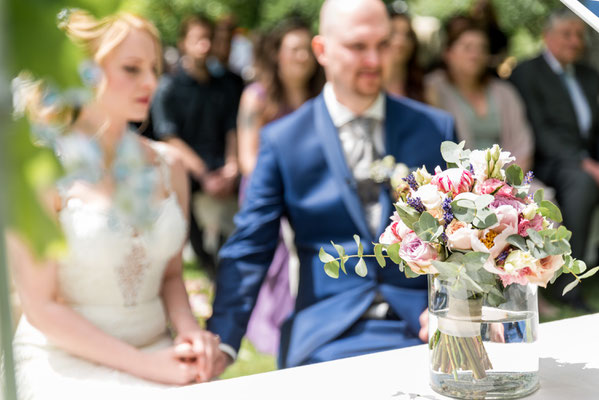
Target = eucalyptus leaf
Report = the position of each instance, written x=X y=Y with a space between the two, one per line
x=332 y=269
x=342 y=256
x=471 y=284
x=408 y=215
x=475 y=260
x=484 y=220
x=563 y=233
x=517 y=241
x=570 y=286
x=514 y=175
x=427 y=228
x=361 y=269
x=578 y=266
x=324 y=256
x=463 y=214
x=409 y=273
x=495 y=297
x=535 y=237
x=483 y=201
x=539 y=195
x=393 y=253
x=447 y=269
x=589 y=273
x=378 y=253
x=451 y=151
x=550 y=210
x=360 y=246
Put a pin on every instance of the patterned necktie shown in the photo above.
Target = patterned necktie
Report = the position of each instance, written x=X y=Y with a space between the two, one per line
x=360 y=153
x=579 y=101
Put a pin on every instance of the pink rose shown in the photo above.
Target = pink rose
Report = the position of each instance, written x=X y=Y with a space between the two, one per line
x=507 y=216
x=456 y=180
x=491 y=185
x=520 y=277
x=545 y=269
x=515 y=202
x=418 y=254
x=536 y=223
x=394 y=233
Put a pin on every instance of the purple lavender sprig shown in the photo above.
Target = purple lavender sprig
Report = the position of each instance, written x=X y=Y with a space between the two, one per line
x=416 y=203
x=447 y=211
x=528 y=177
x=444 y=238
x=501 y=258
x=411 y=182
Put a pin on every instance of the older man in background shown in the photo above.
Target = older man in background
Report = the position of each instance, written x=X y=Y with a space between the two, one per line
x=561 y=96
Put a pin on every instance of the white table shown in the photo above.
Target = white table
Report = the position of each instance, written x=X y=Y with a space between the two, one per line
x=569 y=369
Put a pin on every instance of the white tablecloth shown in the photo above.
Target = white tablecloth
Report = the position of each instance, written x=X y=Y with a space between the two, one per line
x=569 y=370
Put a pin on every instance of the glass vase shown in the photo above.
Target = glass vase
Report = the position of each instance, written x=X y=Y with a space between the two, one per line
x=481 y=352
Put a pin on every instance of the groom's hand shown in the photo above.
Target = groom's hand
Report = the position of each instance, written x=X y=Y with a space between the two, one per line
x=204 y=346
x=222 y=361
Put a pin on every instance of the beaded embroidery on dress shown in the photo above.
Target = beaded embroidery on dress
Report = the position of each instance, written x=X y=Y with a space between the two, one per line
x=111 y=276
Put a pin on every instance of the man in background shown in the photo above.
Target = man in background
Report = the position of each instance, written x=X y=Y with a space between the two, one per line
x=561 y=100
x=196 y=111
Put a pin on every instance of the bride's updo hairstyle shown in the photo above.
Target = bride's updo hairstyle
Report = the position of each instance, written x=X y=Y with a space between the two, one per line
x=98 y=38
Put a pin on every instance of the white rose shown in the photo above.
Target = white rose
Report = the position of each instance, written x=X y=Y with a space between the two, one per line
x=430 y=196
x=517 y=260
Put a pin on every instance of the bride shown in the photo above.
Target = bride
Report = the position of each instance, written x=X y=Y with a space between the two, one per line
x=95 y=321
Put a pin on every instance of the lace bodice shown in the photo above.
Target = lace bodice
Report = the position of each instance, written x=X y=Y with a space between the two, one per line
x=112 y=273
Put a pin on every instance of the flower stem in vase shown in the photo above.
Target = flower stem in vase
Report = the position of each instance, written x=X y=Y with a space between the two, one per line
x=457 y=344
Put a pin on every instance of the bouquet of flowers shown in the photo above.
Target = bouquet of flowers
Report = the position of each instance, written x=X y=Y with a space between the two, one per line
x=475 y=227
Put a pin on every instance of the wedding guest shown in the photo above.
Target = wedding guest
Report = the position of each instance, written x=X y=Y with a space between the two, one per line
x=288 y=75
x=561 y=101
x=308 y=170
x=95 y=321
x=405 y=73
x=487 y=110
x=483 y=13
x=196 y=111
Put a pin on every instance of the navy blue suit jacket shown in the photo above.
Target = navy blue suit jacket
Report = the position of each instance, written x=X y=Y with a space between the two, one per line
x=302 y=174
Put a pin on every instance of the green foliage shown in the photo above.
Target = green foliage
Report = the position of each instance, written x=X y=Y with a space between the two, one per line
x=408 y=215
x=472 y=208
x=428 y=228
x=378 y=253
x=514 y=175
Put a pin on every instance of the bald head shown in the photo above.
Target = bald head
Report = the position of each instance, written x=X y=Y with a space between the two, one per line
x=337 y=14
x=353 y=48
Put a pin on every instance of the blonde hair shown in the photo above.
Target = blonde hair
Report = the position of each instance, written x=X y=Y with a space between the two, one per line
x=98 y=37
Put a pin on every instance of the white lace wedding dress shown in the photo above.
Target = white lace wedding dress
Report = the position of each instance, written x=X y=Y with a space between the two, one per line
x=112 y=277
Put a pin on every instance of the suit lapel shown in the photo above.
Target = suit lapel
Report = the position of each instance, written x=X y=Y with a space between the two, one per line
x=336 y=160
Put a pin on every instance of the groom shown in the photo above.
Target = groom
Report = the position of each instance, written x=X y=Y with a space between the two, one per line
x=313 y=168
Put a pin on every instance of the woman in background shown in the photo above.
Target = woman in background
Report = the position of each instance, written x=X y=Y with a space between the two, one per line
x=95 y=321
x=287 y=76
x=487 y=110
x=405 y=74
